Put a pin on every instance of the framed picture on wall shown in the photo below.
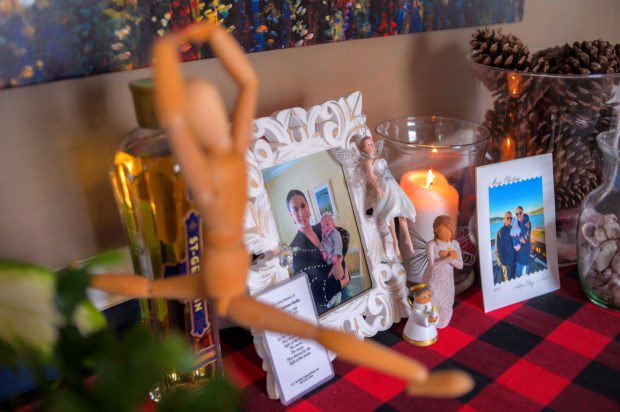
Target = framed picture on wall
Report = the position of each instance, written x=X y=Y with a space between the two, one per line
x=324 y=199
x=315 y=213
x=294 y=178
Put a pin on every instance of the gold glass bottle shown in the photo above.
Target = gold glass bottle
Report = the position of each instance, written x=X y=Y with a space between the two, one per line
x=165 y=234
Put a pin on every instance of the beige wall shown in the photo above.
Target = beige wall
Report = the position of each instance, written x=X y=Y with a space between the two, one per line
x=57 y=139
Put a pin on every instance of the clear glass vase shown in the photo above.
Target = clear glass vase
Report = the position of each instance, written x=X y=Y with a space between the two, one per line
x=530 y=114
x=451 y=149
x=598 y=235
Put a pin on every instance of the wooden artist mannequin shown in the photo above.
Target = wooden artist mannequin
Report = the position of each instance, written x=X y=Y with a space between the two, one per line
x=211 y=156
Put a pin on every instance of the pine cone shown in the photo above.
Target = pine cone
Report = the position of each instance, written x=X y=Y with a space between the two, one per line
x=576 y=171
x=590 y=57
x=499 y=127
x=552 y=57
x=540 y=130
x=559 y=115
x=576 y=161
x=492 y=48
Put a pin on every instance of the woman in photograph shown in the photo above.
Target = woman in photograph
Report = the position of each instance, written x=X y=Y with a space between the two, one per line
x=307 y=256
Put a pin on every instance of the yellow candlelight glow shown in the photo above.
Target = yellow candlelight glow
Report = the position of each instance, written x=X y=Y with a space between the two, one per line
x=429 y=178
x=508 y=150
x=514 y=84
x=432 y=195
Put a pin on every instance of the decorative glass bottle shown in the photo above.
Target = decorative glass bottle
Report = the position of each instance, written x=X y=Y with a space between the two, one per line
x=598 y=236
x=165 y=233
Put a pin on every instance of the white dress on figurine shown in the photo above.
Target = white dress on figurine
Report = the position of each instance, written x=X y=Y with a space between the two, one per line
x=394 y=202
x=418 y=330
x=440 y=277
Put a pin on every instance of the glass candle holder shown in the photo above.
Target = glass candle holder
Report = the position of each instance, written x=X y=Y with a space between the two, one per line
x=434 y=158
x=530 y=114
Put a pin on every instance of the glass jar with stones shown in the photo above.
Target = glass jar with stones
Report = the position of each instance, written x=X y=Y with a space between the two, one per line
x=598 y=235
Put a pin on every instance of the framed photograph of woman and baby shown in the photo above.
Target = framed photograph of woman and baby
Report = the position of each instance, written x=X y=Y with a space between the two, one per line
x=516 y=229
x=312 y=208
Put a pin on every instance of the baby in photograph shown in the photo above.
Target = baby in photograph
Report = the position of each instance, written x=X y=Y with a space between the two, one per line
x=331 y=248
x=515 y=232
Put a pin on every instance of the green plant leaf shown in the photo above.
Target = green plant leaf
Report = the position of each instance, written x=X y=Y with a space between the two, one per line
x=66 y=401
x=8 y=355
x=132 y=365
x=216 y=395
x=71 y=289
x=93 y=368
x=87 y=319
x=28 y=317
x=103 y=262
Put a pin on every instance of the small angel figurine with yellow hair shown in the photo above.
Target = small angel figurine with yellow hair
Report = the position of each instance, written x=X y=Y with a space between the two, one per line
x=421 y=327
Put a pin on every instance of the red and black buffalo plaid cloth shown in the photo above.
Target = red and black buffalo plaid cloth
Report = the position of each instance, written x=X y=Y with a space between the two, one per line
x=555 y=352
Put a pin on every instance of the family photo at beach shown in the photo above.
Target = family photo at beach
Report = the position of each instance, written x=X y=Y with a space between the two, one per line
x=517 y=230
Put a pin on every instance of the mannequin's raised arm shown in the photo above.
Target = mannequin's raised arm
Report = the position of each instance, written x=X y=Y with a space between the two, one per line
x=237 y=65
x=170 y=96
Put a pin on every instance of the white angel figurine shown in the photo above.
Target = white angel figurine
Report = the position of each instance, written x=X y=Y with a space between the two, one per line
x=421 y=329
x=387 y=198
x=391 y=202
x=443 y=254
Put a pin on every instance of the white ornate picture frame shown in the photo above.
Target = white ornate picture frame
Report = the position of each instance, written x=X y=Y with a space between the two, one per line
x=295 y=133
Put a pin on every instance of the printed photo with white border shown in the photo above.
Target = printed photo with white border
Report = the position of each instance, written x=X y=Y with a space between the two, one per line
x=516 y=230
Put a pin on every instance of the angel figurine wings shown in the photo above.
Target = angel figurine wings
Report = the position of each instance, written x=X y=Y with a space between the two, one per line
x=385 y=197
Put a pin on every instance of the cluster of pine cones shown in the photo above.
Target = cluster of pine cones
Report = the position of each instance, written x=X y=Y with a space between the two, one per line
x=557 y=114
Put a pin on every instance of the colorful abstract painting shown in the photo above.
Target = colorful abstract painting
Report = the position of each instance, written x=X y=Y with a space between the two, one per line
x=45 y=40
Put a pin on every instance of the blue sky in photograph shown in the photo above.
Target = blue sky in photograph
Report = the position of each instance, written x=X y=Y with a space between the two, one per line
x=526 y=193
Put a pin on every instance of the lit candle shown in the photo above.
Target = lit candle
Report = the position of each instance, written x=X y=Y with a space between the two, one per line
x=508 y=150
x=514 y=85
x=432 y=196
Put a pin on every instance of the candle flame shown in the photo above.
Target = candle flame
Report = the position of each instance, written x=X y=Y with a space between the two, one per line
x=434 y=150
x=508 y=149
x=429 y=178
x=514 y=84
